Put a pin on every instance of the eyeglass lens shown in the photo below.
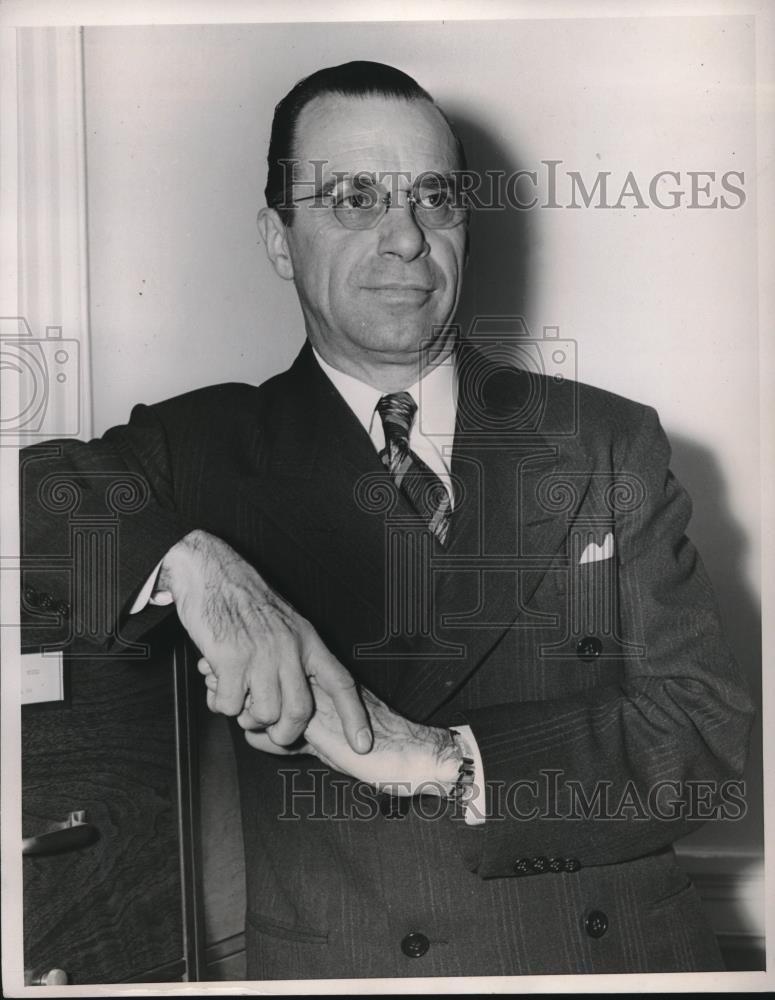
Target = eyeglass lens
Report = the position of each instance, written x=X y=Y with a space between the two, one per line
x=362 y=202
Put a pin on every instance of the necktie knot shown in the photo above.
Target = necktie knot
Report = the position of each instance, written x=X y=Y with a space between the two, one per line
x=397 y=411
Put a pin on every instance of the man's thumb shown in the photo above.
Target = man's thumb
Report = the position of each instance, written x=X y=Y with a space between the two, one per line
x=339 y=685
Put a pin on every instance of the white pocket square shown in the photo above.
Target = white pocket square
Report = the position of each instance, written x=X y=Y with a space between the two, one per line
x=596 y=553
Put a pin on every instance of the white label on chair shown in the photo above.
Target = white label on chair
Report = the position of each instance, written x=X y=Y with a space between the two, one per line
x=42 y=678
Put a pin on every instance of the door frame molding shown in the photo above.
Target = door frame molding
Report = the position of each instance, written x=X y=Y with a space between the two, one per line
x=53 y=258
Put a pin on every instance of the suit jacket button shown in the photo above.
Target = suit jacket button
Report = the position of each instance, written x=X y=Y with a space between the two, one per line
x=415 y=945
x=540 y=865
x=589 y=647
x=572 y=864
x=522 y=866
x=596 y=923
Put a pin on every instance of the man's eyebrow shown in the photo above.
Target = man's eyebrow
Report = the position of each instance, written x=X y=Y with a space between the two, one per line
x=338 y=177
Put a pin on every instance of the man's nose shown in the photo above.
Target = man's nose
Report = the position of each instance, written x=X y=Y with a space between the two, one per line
x=400 y=234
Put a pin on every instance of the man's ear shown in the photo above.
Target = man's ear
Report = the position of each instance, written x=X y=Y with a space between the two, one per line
x=272 y=231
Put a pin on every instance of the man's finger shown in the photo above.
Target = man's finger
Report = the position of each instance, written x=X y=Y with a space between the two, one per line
x=297 y=706
x=263 y=699
x=246 y=721
x=339 y=685
x=260 y=741
x=229 y=696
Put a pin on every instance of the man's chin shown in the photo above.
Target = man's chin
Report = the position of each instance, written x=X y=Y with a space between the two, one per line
x=396 y=343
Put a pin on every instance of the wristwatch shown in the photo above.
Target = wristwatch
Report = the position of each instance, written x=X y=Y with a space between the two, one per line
x=465 y=772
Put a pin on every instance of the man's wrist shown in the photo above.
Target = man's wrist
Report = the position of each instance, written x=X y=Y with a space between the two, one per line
x=180 y=562
x=174 y=563
x=164 y=583
x=449 y=761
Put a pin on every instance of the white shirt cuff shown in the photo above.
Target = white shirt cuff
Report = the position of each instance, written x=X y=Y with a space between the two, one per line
x=475 y=805
x=147 y=595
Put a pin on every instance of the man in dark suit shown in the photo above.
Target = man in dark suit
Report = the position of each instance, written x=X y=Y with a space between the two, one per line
x=415 y=567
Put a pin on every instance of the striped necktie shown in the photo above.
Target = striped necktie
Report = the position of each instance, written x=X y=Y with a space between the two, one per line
x=422 y=487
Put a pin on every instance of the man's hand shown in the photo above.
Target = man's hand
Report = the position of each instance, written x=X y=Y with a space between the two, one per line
x=406 y=759
x=257 y=645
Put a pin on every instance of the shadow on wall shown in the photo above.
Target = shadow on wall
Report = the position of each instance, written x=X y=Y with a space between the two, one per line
x=725 y=547
x=497 y=277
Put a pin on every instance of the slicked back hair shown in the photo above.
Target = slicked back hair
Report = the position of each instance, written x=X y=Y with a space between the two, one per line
x=352 y=79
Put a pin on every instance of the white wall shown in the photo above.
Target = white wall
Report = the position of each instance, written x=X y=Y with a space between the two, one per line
x=662 y=303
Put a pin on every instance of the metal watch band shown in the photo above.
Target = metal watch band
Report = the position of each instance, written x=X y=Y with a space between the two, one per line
x=465 y=772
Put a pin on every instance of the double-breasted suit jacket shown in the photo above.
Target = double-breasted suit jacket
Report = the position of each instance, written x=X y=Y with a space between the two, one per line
x=567 y=620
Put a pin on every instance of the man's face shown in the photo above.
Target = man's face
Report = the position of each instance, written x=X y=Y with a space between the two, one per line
x=371 y=297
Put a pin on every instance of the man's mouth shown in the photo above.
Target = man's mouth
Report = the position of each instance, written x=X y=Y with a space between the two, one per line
x=400 y=288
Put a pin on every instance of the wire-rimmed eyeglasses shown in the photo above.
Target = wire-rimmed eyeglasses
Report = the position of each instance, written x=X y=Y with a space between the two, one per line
x=361 y=201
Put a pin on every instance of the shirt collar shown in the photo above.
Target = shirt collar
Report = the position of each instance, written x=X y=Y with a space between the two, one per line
x=435 y=394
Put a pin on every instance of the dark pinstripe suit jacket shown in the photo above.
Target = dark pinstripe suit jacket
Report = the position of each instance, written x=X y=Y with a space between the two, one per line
x=598 y=688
